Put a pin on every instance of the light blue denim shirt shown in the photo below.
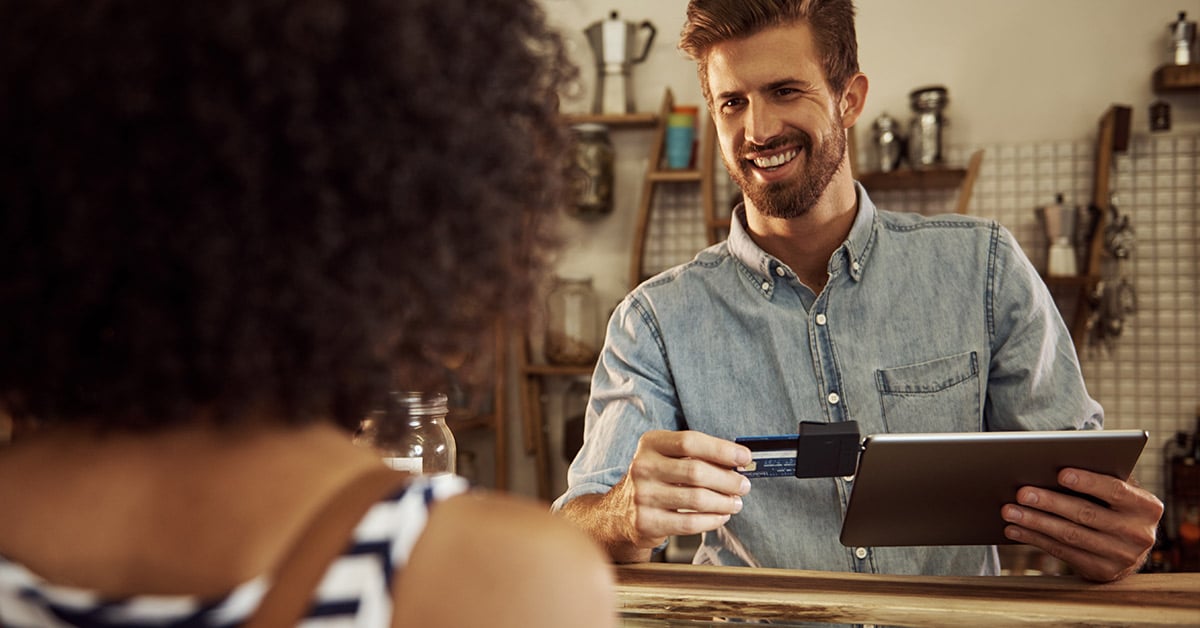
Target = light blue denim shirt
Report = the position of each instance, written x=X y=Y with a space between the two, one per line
x=936 y=324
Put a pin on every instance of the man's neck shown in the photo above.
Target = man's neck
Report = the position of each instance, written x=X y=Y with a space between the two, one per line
x=806 y=243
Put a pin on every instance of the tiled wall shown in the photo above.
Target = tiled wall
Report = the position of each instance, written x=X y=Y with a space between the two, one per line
x=1149 y=378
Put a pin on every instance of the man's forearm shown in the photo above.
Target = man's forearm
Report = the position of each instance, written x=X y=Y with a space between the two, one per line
x=596 y=518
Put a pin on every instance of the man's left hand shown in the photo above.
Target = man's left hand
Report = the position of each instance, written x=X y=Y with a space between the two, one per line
x=1101 y=544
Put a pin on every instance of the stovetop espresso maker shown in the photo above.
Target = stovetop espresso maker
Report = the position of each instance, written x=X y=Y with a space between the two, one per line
x=613 y=42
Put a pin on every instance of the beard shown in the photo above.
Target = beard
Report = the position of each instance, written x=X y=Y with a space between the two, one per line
x=793 y=198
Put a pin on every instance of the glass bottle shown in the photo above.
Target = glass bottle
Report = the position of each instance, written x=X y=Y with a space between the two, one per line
x=411 y=434
x=572 y=329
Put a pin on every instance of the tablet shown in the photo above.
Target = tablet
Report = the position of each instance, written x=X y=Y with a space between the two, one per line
x=947 y=489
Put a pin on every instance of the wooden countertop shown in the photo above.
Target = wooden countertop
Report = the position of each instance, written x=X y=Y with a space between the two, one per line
x=660 y=591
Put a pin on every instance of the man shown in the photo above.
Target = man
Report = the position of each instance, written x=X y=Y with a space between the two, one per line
x=820 y=307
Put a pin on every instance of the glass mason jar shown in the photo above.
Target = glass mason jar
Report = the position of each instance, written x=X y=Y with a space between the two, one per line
x=411 y=434
x=593 y=171
x=572 y=329
x=926 y=136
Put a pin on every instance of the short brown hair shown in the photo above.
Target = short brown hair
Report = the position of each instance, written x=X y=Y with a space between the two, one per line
x=710 y=22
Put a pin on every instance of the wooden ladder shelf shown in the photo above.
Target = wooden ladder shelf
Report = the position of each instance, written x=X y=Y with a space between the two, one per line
x=657 y=173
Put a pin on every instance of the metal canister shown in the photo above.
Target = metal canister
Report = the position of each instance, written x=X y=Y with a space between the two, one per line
x=888 y=143
x=593 y=171
x=926 y=129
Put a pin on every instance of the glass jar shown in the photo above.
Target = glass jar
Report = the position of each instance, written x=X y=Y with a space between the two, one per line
x=927 y=129
x=888 y=143
x=593 y=171
x=572 y=329
x=411 y=434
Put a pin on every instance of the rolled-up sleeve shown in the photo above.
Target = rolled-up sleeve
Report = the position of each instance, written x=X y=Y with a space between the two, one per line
x=1034 y=379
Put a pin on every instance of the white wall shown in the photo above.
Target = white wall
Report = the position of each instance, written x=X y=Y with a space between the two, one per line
x=1021 y=70
x=1017 y=71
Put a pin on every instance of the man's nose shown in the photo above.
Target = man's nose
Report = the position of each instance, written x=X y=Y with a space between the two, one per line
x=762 y=123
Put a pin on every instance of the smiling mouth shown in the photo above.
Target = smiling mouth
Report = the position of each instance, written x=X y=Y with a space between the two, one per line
x=775 y=161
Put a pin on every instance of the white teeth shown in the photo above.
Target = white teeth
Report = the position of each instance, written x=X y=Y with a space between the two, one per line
x=777 y=160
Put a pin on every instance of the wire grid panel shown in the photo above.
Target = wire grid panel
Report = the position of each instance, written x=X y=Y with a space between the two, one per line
x=1149 y=379
x=675 y=232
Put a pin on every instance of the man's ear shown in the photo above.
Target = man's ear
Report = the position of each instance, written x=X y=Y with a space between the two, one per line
x=854 y=98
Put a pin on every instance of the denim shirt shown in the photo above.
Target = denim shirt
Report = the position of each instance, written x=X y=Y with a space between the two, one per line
x=926 y=324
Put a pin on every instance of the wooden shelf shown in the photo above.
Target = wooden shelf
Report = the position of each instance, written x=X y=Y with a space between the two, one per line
x=933 y=178
x=1070 y=281
x=627 y=120
x=558 y=370
x=677 y=176
x=1177 y=78
x=1113 y=137
x=532 y=376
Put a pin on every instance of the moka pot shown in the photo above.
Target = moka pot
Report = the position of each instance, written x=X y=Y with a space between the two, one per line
x=614 y=43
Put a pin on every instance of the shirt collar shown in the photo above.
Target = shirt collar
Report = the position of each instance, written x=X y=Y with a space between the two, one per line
x=851 y=255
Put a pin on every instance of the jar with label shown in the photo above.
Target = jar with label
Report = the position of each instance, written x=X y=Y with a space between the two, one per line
x=410 y=433
x=927 y=129
x=572 y=329
x=592 y=171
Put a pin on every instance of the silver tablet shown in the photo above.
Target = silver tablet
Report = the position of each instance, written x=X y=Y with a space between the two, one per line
x=947 y=489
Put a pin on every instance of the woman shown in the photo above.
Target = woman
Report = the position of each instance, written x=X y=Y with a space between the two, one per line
x=225 y=228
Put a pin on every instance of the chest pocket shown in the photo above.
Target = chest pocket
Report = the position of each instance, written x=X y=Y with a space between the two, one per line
x=941 y=395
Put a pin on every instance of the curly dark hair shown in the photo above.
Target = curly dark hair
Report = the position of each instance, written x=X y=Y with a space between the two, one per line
x=244 y=209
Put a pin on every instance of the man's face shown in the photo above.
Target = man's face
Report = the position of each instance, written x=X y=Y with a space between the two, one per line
x=779 y=127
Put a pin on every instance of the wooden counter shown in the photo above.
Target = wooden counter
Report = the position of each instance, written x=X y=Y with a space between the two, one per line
x=660 y=593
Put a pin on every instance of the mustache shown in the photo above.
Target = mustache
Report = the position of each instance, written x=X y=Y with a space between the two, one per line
x=798 y=138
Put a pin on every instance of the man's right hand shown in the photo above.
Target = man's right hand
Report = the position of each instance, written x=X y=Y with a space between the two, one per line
x=678 y=483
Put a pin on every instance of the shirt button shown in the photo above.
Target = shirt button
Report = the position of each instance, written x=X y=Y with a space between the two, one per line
x=856 y=266
x=766 y=285
x=833 y=398
x=780 y=271
x=821 y=319
x=847 y=478
x=860 y=552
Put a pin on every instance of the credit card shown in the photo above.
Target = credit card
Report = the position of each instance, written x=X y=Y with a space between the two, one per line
x=772 y=456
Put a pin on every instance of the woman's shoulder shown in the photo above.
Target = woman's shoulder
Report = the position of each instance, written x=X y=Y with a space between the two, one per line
x=509 y=562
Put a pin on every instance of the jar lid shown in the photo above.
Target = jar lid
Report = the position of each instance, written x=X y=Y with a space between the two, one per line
x=931 y=97
x=589 y=128
x=884 y=122
x=418 y=403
